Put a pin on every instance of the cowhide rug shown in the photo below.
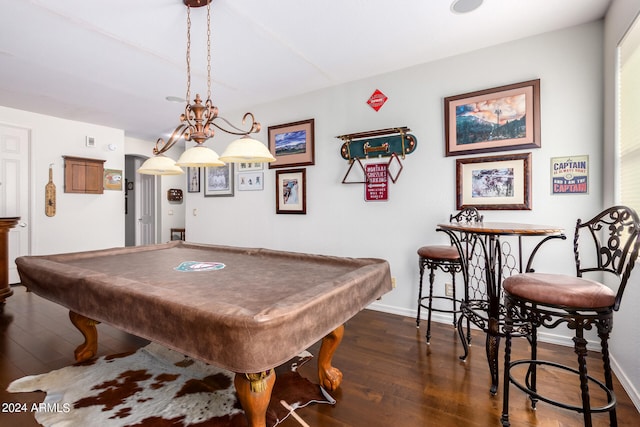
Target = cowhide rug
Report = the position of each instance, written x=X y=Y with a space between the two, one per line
x=155 y=386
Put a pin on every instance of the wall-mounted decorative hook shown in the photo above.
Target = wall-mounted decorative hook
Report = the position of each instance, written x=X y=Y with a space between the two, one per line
x=394 y=143
x=380 y=143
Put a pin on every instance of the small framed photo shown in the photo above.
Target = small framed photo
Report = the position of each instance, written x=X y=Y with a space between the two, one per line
x=495 y=182
x=246 y=167
x=250 y=181
x=218 y=181
x=113 y=179
x=291 y=191
x=498 y=119
x=193 y=180
x=292 y=144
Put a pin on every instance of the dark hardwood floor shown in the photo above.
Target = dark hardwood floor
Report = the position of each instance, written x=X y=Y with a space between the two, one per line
x=391 y=377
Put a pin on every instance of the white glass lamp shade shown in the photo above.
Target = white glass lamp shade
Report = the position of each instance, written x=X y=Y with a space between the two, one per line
x=160 y=165
x=199 y=156
x=248 y=150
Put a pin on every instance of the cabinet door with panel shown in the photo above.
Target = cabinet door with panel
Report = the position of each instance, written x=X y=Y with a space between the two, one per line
x=83 y=175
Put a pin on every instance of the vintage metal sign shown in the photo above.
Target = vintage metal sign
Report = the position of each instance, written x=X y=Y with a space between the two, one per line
x=570 y=175
x=377 y=100
x=377 y=185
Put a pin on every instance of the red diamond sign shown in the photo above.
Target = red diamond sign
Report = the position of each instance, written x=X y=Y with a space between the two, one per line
x=377 y=100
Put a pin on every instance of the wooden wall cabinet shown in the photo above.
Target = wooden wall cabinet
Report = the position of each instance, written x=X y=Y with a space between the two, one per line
x=83 y=175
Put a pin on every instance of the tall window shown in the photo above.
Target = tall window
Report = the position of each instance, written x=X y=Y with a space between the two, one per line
x=629 y=118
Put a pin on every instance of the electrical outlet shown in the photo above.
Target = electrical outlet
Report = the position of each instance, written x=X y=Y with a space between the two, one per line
x=448 y=289
x=393 y=282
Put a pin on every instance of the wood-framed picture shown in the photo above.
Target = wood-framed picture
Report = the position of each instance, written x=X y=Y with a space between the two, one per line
x=494 y=182
x=498 y=119
x=292 y=144
x=193 y=179
x=218 y=181
x=291 y=191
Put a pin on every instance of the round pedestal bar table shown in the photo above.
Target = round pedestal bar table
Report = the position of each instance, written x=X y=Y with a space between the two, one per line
x=482 y=252
x=5 y=224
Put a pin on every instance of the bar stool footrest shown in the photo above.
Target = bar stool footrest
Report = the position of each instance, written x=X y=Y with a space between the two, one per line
x=611 y=398
x=441 y=310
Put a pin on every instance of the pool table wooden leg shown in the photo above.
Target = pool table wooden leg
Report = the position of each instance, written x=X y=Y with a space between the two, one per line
x=254 y=393
x=87 y=327
x=330 y=377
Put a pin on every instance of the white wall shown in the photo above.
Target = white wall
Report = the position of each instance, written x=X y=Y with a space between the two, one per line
x=340 y=222
x=82 y=221
x=625 y=339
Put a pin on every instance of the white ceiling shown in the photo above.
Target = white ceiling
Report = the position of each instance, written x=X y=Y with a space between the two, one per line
x=113 y=62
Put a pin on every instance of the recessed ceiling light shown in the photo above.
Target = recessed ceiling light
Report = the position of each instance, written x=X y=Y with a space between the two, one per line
x=465 y=6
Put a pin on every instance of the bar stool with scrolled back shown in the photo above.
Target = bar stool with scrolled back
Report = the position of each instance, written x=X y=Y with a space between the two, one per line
x=548 y=300
x=447 y=259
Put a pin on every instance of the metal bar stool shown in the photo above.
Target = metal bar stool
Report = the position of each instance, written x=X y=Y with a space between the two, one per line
x=447 y=259
x=548 y=300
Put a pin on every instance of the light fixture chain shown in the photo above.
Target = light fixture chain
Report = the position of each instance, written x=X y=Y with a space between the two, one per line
x=188 y=54
x=209 y=50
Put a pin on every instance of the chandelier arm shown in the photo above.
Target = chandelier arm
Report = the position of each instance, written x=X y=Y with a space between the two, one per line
x=255 y=126
x=162 y=146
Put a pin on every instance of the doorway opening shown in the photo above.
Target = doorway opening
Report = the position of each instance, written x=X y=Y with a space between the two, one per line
x=139 y=204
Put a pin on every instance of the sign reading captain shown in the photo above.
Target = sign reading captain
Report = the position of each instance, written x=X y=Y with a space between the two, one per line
x=570 y=175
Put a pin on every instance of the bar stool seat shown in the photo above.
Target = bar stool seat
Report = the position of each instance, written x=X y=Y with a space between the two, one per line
x=560 y=290
x=447 y=259
x=533 y=300
x=440 y=253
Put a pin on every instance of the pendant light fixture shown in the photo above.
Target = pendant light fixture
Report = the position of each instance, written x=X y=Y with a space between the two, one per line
x=197 y=124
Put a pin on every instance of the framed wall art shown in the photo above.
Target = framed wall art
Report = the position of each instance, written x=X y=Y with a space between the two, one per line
x=498 y=119
x=250 y=181
x=245 y=167
x=570 y=175
x=218 y=181
x=291 y=191
x=113 y=179
x=494 y=182
x=292 y=144
x=193 y=179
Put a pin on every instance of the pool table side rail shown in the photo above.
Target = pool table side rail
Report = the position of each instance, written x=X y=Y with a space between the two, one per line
x=227 y=339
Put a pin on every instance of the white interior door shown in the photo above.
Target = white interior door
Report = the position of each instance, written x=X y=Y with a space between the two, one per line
x=146 y=220
x=14 y=190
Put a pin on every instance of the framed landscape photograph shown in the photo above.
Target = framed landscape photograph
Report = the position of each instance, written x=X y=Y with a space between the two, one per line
x=218 y=181
x=193 y=180
x=292 y=144
x=495 y=182
x=291 y=191
x=498 y=119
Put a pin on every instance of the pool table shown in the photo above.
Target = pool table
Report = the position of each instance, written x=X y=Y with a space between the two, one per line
x=243 y=309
